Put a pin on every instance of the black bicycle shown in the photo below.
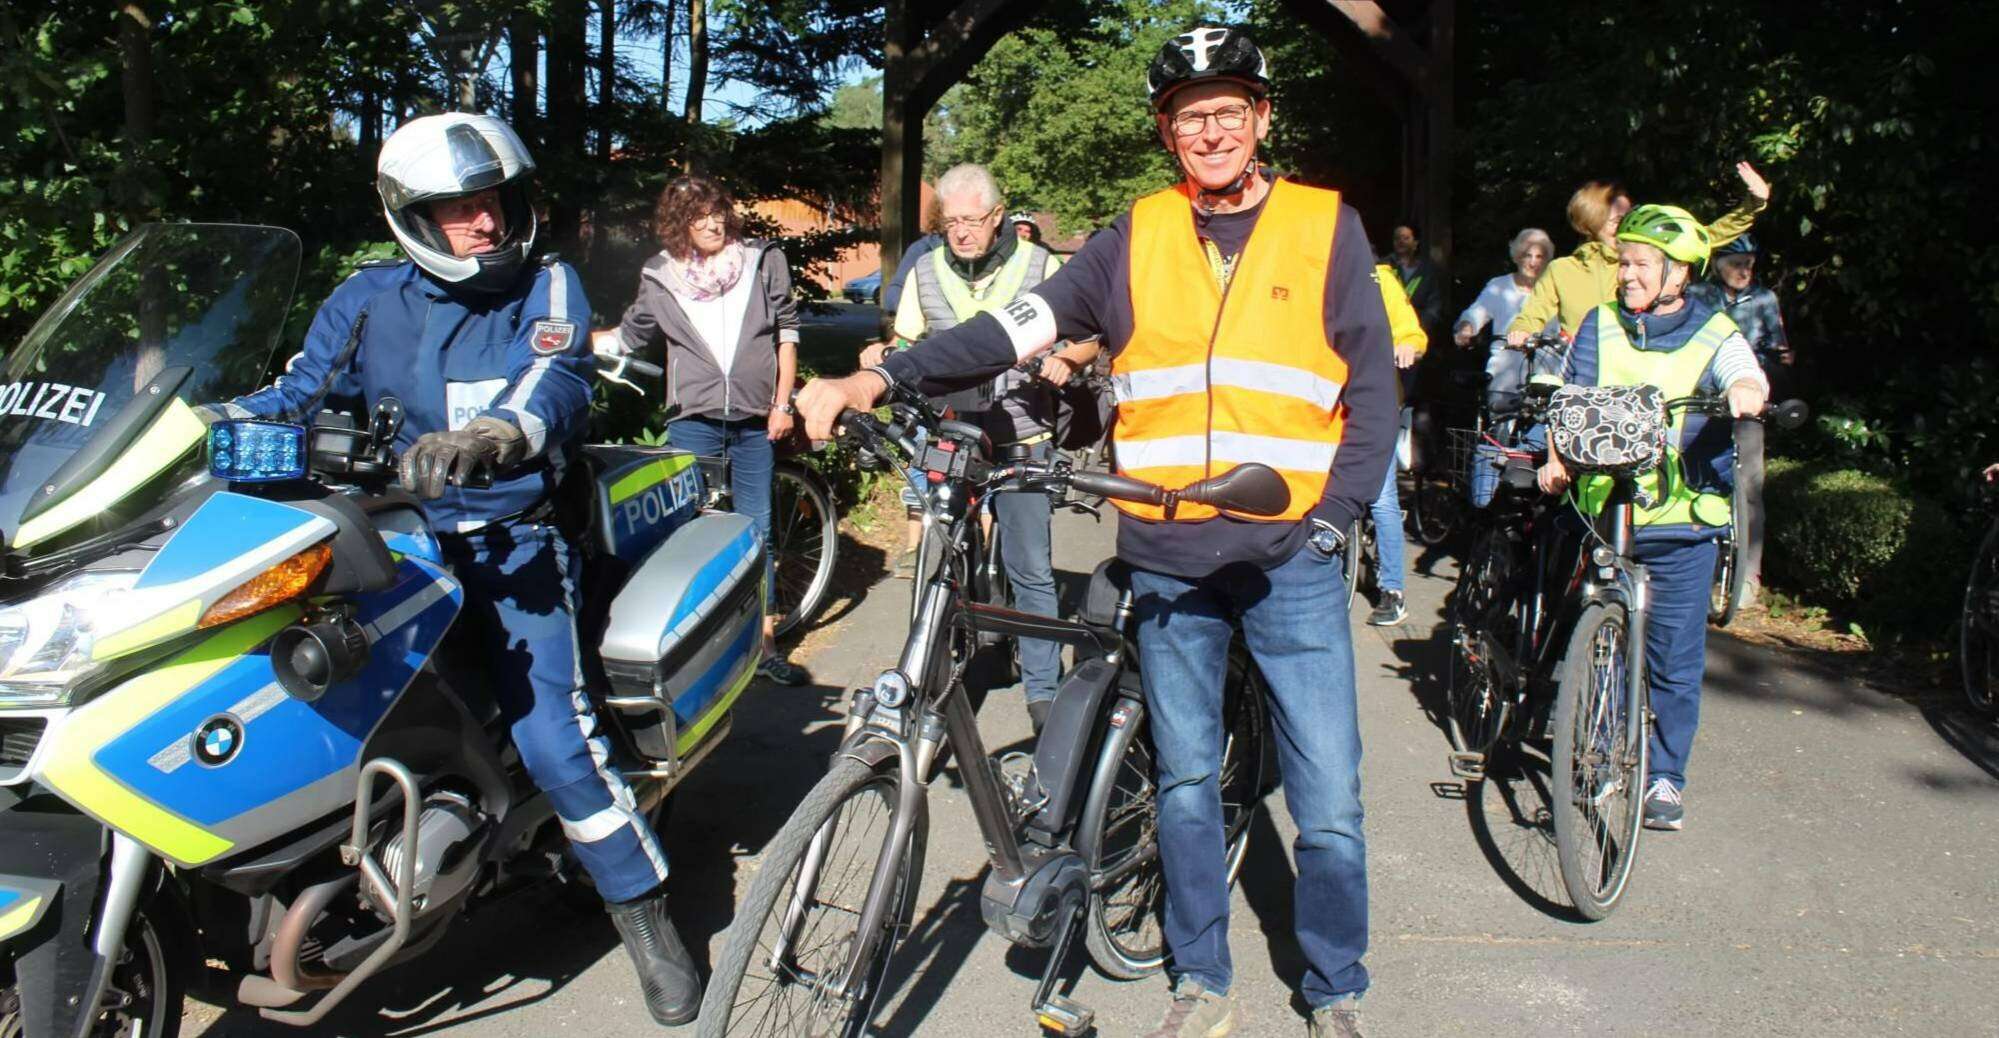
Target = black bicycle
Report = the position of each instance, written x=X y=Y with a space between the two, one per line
x=1978 y=628
x=1517 y=630
x=1072 y=838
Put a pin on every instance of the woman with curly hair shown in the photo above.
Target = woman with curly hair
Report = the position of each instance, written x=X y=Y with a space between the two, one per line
x=720 y=306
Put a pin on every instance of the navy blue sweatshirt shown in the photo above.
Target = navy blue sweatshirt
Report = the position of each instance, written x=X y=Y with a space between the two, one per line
x=1090 y=297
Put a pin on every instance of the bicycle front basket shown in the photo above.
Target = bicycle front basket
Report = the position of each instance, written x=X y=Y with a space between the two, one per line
x=1608 y=428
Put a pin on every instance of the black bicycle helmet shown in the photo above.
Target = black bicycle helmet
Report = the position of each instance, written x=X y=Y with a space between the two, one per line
x=1206 y=52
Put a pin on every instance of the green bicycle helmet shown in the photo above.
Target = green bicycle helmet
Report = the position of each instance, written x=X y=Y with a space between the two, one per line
x=1672 y=229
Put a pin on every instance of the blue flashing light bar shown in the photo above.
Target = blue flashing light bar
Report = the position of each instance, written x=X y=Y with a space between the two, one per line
x=256 y=452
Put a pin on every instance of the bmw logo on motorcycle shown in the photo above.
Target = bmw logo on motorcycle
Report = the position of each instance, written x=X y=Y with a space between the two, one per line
x=218 y=740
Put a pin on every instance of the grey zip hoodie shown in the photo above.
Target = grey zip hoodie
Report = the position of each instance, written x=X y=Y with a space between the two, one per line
x=693 y=379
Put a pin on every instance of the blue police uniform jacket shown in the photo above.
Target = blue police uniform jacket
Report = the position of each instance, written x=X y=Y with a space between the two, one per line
x=522 y=356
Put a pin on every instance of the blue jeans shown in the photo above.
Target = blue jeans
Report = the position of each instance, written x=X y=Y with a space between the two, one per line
x=1294 y=620
x=1023 y=520
x=1387 y=512
x=1682 y=571
x=746 y=443
x=520 y=612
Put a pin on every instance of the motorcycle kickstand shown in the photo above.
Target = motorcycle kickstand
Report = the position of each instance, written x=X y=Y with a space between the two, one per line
x=1058 y=1015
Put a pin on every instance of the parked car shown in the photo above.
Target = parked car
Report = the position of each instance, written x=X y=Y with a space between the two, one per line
x=864 y=289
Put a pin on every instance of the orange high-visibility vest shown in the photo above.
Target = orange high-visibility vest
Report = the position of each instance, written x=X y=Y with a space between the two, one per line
x=1210 y=380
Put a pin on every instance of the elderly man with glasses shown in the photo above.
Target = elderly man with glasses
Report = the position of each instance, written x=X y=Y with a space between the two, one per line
x=980 y=270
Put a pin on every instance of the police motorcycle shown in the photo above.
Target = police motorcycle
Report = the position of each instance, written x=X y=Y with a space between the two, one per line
x=230 y=731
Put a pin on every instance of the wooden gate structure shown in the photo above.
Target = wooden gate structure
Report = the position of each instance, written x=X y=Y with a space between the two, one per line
x=932 y=44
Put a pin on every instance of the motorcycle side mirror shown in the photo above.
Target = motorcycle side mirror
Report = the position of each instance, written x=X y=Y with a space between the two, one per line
x=1790 y=414
x=387 y=421
x=1252 y=489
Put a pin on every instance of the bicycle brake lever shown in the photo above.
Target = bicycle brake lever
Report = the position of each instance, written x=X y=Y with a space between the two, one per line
x=1081 y=506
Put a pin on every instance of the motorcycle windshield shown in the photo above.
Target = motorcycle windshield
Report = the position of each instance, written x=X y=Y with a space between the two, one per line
x=209 y=297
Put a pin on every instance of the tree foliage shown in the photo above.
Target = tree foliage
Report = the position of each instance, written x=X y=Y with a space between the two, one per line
x=1057 y=110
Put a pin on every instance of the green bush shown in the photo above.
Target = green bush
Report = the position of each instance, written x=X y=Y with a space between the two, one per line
x=1831 y=531
x=1862 y=544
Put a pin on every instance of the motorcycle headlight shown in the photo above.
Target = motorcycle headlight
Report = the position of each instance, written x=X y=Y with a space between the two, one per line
x=45 y=641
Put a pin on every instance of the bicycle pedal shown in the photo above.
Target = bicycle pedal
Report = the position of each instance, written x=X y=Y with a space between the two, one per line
x=1466 y=765
x=1058 y=1015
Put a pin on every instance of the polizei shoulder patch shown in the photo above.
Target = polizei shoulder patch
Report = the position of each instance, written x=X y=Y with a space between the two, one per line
x=552 y=337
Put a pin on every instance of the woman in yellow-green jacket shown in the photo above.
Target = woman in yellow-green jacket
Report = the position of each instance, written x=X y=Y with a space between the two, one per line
x=1583 y=280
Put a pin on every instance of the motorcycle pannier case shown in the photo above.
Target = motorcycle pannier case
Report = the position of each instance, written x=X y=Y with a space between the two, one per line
x=685 y=634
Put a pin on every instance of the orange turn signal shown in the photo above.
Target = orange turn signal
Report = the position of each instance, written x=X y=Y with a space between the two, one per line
x=281 y=583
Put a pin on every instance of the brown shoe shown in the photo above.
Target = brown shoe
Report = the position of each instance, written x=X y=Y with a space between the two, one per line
x=1196 y=1012
x=1339 y=1020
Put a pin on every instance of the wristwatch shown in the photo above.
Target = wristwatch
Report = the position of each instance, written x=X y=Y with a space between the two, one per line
x=786 y=408
x=1328 y=538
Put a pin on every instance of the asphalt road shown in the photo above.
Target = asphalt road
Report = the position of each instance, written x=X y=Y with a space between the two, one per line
x=1836 y=875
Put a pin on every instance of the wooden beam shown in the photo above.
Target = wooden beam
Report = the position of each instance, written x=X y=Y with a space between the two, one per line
x=1390 y=42
x=920 y=61
x=1356 y=49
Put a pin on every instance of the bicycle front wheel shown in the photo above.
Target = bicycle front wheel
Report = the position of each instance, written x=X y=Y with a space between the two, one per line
x=787 y=969
x=1978 y=629
x=1597 y=789
x=1725 y=595
x=804 y=543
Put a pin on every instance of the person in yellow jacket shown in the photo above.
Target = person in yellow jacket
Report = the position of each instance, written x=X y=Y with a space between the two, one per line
x=1575 y=285
x=1405 y=328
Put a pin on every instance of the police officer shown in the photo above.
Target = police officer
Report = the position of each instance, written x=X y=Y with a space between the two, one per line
x=485 y=349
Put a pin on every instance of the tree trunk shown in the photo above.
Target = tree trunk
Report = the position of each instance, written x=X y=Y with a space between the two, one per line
x=568 y=61
x=666 y=54
x=135 y=44
x=697 y=58
x=607 y=74
x=370 y=118
x=568 y=115
x=524 y=52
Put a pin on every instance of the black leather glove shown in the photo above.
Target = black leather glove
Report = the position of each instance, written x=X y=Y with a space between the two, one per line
x=452 y=457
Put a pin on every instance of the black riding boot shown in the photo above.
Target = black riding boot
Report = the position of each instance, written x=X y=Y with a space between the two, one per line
x=666 y=972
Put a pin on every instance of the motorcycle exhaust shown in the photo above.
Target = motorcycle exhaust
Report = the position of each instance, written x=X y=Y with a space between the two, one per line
x=309 y=658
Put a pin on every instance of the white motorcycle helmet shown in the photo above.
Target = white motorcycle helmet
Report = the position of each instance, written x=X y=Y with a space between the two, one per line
x=447 y=156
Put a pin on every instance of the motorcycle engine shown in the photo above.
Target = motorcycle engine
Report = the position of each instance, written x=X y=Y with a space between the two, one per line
x=447 y=829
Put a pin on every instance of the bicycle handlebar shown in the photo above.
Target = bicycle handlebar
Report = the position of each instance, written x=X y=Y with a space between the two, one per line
x=1785 y=414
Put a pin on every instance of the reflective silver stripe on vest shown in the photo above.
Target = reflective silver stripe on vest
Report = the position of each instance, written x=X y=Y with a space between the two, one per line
x=1229 y=449
x=1262 y=376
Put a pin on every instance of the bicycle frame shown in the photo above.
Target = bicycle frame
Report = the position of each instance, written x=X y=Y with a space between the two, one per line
x=935 y=711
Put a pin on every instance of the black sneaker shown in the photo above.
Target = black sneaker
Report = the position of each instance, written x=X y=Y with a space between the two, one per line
x=1389 y=612
x=1663 y=808
x=780 y=671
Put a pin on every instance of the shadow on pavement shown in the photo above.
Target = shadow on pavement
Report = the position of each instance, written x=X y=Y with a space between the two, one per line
x=521 y=950
x=931 y=957
x=1974 y=737
x=859 y=571
x=1512 y=820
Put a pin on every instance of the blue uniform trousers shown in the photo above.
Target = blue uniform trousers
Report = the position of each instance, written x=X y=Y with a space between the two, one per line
x=520 y=622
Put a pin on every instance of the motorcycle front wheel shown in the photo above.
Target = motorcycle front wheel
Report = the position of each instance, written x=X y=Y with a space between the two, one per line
x=148 y=982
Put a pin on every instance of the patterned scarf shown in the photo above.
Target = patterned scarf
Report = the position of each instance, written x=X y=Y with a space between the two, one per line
x=703 y=278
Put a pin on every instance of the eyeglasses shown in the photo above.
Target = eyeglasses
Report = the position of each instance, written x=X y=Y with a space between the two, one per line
x=959 y=223
x=1231 y=117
